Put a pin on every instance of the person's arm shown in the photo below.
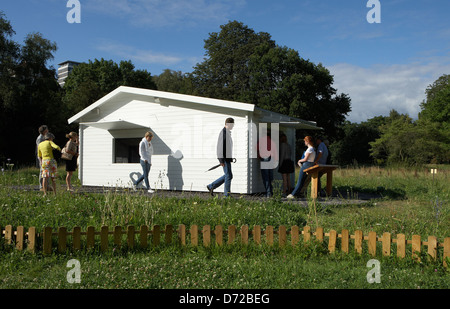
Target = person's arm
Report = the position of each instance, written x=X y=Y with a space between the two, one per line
x=318 y=157
x=40 y=154
x=70 y=148
x=54 y=146
x=221 y=147
x=143 y=151
x=150 y=152
x=305 y=158
x=307 y=154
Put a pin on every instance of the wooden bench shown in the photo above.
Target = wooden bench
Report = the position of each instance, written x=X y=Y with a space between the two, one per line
x=314 y=171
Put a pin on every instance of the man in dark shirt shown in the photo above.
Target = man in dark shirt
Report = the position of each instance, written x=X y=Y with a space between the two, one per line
x=225 y=157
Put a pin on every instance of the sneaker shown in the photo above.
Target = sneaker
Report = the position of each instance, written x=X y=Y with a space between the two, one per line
x=150 y=191
x=290 y=197
x=210 y=190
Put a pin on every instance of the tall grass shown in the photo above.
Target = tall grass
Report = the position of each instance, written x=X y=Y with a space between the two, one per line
x=411 y=201
x=122 y=207
x=408 y=201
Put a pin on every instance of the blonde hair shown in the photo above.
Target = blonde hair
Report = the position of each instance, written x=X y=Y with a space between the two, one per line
x=72 y=134
x=149 y=134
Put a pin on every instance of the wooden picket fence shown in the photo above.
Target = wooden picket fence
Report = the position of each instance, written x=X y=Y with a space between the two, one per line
x=32 y=241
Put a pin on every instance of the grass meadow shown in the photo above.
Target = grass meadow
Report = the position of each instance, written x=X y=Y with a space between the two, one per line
x=409 y=200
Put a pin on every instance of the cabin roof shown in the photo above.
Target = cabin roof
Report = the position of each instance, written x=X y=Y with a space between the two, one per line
x=162 y=97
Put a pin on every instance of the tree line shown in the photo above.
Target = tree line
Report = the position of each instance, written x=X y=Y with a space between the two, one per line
x=239 y=65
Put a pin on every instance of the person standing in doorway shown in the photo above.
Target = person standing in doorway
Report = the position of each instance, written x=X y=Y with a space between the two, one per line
x=268 y=155
x=225 y=157
x=145 y=153
x=287 y=165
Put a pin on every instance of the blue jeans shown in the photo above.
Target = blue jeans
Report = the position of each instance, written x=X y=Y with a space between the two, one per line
x=146 y=171
x=226 y=178
x=267 y=176
x=301 y=177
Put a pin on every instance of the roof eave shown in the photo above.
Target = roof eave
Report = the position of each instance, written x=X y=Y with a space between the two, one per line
x=163 y=95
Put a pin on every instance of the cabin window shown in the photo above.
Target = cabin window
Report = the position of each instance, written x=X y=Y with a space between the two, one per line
x=126 y=150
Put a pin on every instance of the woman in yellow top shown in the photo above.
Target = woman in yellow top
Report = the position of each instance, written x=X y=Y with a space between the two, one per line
x=48 y=162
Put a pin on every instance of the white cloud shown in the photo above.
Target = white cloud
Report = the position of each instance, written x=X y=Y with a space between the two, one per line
x=158 y=13
x=377 y=90
x=138 y=55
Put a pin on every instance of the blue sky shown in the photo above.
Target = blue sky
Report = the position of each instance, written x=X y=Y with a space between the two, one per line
x=381 y=66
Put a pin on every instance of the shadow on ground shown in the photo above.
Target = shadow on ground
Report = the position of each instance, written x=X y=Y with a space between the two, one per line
x=342 y=195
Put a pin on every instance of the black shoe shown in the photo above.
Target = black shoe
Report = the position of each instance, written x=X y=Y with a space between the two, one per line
x=210 y=190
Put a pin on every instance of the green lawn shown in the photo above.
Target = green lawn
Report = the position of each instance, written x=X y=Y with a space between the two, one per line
x=412 y=203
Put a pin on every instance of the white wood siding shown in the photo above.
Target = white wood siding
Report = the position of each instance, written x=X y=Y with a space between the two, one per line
x=185 y=128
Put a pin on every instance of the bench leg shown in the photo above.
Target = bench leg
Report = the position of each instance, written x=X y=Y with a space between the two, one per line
x=329 y=183
x=314 y=184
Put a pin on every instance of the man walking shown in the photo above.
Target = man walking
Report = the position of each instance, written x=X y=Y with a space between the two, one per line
x=225 y=157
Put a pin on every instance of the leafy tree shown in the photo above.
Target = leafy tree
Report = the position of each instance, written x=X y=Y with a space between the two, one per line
x=404 y=141
x=90 y=81
x=224 y=73
x=29 y=93
x=436 y=107
x=173 y=81
x=243 y=65
x=9 y=58
x=354 y=146
x=39 y=96
x=389 y=147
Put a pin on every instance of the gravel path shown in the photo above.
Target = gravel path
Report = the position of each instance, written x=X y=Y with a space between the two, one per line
x=335 y=199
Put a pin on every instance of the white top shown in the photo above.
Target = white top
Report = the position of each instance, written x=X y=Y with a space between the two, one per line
x=312 y=154
x=145 y=150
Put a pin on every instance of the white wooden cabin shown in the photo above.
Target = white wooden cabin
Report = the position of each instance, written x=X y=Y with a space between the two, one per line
x=185 y=128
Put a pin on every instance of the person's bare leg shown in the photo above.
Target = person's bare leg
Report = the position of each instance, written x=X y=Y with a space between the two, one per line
x=69 y=180
x=44 y=185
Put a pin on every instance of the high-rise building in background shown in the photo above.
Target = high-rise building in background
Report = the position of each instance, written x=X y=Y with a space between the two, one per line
x=64 y=70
